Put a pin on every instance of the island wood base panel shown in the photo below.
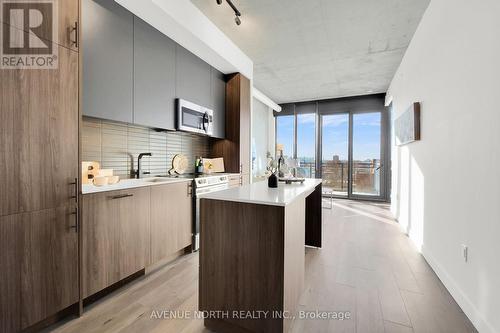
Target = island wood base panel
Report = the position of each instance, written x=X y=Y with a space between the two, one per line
x=251 y=259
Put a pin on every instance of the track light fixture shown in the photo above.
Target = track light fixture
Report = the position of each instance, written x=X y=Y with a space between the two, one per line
x=237 y=19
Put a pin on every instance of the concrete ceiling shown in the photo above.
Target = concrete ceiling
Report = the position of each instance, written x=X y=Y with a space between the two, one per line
x=316 y=49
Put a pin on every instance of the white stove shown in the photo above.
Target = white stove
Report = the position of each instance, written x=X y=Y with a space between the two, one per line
x=203 y=184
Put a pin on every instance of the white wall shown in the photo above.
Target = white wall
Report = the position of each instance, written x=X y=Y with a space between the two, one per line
x=446 y=188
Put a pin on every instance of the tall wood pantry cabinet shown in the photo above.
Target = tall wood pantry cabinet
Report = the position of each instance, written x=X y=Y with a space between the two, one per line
x=39 y=122
x=235 y=148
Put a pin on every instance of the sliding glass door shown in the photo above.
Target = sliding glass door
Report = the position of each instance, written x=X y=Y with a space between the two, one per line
x=335 y=152
x=344 y=142
x=352 y=154
x=366 y=154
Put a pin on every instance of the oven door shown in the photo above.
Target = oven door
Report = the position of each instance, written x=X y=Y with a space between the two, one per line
x=196 y=226
x=194 y=118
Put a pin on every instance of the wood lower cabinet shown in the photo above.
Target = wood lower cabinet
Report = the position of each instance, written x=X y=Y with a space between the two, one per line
x=49 y=272
x=11 y=248
x=39 y=266
x=171 y=219
x=115 y=237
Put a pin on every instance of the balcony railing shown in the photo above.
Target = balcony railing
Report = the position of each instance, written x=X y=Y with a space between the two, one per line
x=335 y=175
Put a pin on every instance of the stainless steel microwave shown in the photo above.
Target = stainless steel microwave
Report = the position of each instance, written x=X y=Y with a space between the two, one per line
x=194 y=118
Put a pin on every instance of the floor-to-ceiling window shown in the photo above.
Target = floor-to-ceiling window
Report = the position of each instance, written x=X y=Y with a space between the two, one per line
x=285 y=134
x=341 y=141
x=306 y=145
x=366 y=153
x=335 y=153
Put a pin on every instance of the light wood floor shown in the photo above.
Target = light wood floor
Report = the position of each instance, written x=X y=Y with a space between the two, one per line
x=367 y=267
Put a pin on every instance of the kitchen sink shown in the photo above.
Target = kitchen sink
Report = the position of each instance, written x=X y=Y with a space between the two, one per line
x=156 y=180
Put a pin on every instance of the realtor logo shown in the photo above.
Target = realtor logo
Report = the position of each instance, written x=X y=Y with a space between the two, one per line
x=28 y=32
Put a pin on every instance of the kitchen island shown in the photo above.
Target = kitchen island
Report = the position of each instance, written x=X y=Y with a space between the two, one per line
x=252 y=254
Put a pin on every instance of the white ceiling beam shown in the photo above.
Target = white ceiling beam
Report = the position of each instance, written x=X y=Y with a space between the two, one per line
x=257 y=94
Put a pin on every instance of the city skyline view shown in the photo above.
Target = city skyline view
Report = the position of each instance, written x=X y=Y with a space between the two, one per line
x=335 y=130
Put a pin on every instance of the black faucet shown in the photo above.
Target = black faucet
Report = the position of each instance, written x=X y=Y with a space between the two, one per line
x=138 y=171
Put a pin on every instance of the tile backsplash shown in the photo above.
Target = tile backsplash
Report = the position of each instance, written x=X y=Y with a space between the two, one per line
x=116 y=146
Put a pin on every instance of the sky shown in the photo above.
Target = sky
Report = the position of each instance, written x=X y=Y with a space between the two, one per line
x=366 y=135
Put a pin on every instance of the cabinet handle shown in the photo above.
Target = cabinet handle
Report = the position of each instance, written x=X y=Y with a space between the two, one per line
x=190 y=190
x=120 y=196
x=75 y=184
x=75 y=226
x=76 y=41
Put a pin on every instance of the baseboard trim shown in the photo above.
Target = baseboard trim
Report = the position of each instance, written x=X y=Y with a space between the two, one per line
x=474 y=315
x=110 y=289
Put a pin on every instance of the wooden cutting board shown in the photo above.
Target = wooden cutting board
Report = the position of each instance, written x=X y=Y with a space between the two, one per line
x=180 y=163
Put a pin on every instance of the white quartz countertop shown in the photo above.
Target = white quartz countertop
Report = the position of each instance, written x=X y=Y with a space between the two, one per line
x=125 y=184
x=260 y=193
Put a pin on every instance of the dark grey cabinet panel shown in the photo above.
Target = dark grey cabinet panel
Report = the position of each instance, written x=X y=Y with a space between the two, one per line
x=219 y=103
x=154 y=77
x=107 y=38
x=193 y=78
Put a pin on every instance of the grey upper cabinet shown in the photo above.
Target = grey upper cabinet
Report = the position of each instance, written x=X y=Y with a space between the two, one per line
x=193 y=78
x=154 y=77
x=219 y=103
x=107 y=38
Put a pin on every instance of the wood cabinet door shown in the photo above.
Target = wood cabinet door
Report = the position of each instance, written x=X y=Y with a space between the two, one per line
x=11 y=248
x=67 y=17
x=171 y=219
x=68 y=21
x=133 y=232
x=39 y=266
x=115 y=236
x=236 y=147
x=39 y=136
x=49 y=270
